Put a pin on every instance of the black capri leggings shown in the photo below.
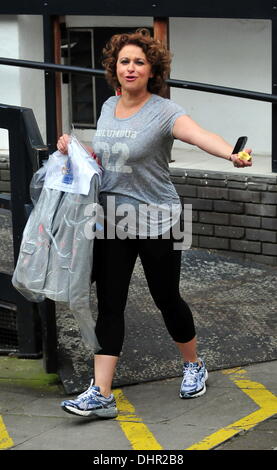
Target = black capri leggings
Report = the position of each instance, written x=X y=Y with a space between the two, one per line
x=114 y=261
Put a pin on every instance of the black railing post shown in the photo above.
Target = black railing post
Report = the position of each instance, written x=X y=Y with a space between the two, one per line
x=274 y=90
x=50 y=83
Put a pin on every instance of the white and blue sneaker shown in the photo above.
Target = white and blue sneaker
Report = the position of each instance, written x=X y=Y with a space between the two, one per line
x=91 y=403
x=193 y=384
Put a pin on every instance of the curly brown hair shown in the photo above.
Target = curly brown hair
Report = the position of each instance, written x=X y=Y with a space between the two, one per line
x=157 y=55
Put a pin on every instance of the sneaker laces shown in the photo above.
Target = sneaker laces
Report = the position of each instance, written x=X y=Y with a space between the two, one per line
x=190 y=372
x=88 y=393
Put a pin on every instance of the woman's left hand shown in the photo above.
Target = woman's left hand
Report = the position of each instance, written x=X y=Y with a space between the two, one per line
x=240 y=163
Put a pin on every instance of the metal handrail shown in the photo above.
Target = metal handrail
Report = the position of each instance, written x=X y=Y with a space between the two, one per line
x=248 y=94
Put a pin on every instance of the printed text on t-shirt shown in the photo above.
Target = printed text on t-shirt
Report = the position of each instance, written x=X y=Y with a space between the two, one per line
x=126 y=133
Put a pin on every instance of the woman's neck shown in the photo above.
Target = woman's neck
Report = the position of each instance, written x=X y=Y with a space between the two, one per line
x=133 y=100
x=130 y=104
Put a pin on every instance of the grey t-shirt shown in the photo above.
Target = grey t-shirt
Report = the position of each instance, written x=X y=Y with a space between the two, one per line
x=135 y=153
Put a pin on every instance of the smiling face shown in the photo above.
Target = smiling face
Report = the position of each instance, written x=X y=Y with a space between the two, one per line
x=133 y=69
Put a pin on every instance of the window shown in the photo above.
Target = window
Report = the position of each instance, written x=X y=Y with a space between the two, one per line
x=82 y=87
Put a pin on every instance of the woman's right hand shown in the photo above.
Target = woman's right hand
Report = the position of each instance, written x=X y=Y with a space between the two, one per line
x=62 y=143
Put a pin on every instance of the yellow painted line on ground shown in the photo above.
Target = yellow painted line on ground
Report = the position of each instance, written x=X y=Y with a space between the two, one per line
x=5 y=440
x=137 y=433
x=266 y=400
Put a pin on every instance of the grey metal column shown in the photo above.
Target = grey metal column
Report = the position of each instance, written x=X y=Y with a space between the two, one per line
x=274 y=90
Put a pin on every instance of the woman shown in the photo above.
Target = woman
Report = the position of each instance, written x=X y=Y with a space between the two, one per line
x=133 y=141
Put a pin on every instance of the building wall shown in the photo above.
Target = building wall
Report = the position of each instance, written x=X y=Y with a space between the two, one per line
x=226 y=52
x=32 y=81
x=21 y=37
x=231 y=212
x=10 y=92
